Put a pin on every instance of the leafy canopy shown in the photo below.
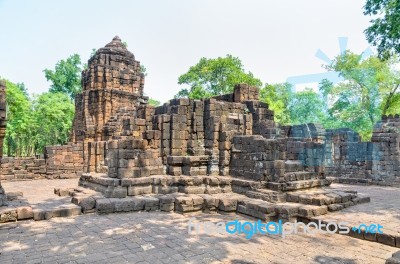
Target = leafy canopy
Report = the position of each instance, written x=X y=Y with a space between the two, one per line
x=210 y=77
x=384 y=31
x=369 y=89
x=278 y=97
x=53 y=114
x=33 y=123
x=66 y=76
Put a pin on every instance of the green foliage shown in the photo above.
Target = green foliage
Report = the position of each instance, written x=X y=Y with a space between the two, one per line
x=23 y=89
x=66 y=77
x=210 y=77
x=53 y=114
x=369 y=90
x=291 y=108
x=278 y=97
x=18 y=132
x=35 y=123
x=384 y=32
x=305 y=107
x=154 y=102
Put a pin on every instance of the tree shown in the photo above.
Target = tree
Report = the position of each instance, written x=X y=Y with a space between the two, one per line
x=18 y=136
x=23 y=89
x=384 y=32
x=210 y=77
x=278 y=97
x=66 y=77
x=35 y=123
x=53 y=114
x=370 y=88
x=305 y=107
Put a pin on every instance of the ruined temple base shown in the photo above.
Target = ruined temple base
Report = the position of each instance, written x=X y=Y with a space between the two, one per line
x=210 y=193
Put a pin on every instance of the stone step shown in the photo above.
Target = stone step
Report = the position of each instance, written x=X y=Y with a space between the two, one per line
x=224 y=202
x=327 y=197
x=267 y=195
x=179 y=202
x=267 y=211
x=14 y=213
x=156 y=184
x=259 y=209
x=242 y=186
x=64 y=210
x=297 y=185
x=299 y=176
x=293 y=166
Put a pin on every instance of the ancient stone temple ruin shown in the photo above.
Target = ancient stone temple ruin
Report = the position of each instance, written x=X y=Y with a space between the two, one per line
x=223 y=153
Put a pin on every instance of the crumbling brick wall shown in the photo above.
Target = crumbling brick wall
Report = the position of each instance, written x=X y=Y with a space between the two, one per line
x=346 y=156
x=22 y=168
x=386 y=153
x=59 y=162
x=64 y=161
x=3 y=123
x=3 y=120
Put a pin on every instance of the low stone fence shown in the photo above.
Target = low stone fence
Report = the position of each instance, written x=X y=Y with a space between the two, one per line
x=59 y=162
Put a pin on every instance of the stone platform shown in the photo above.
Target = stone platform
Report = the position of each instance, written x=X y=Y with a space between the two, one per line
x=229 y=194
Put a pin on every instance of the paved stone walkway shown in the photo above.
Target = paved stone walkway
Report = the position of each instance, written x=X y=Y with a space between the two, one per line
x=158 y=237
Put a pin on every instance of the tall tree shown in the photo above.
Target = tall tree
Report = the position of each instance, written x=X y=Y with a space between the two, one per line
x=384 y=32
x=66 y=77
x=35 y=123
x=52 y=115
x=370 y=88
x=210 y=77
x=18 y=139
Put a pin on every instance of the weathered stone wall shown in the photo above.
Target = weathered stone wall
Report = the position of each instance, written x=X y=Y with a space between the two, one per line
x=352 y=161
x=346 y=156
x=3 y=123
x=3 y=120
x=22 y=168
x=59 y=162
x=386 y=155
x=257 y=158
x=64 y=161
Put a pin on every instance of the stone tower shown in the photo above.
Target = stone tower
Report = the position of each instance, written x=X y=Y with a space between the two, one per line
x=113 y=80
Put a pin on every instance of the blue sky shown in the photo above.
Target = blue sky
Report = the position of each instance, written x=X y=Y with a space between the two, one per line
x=274 y=39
